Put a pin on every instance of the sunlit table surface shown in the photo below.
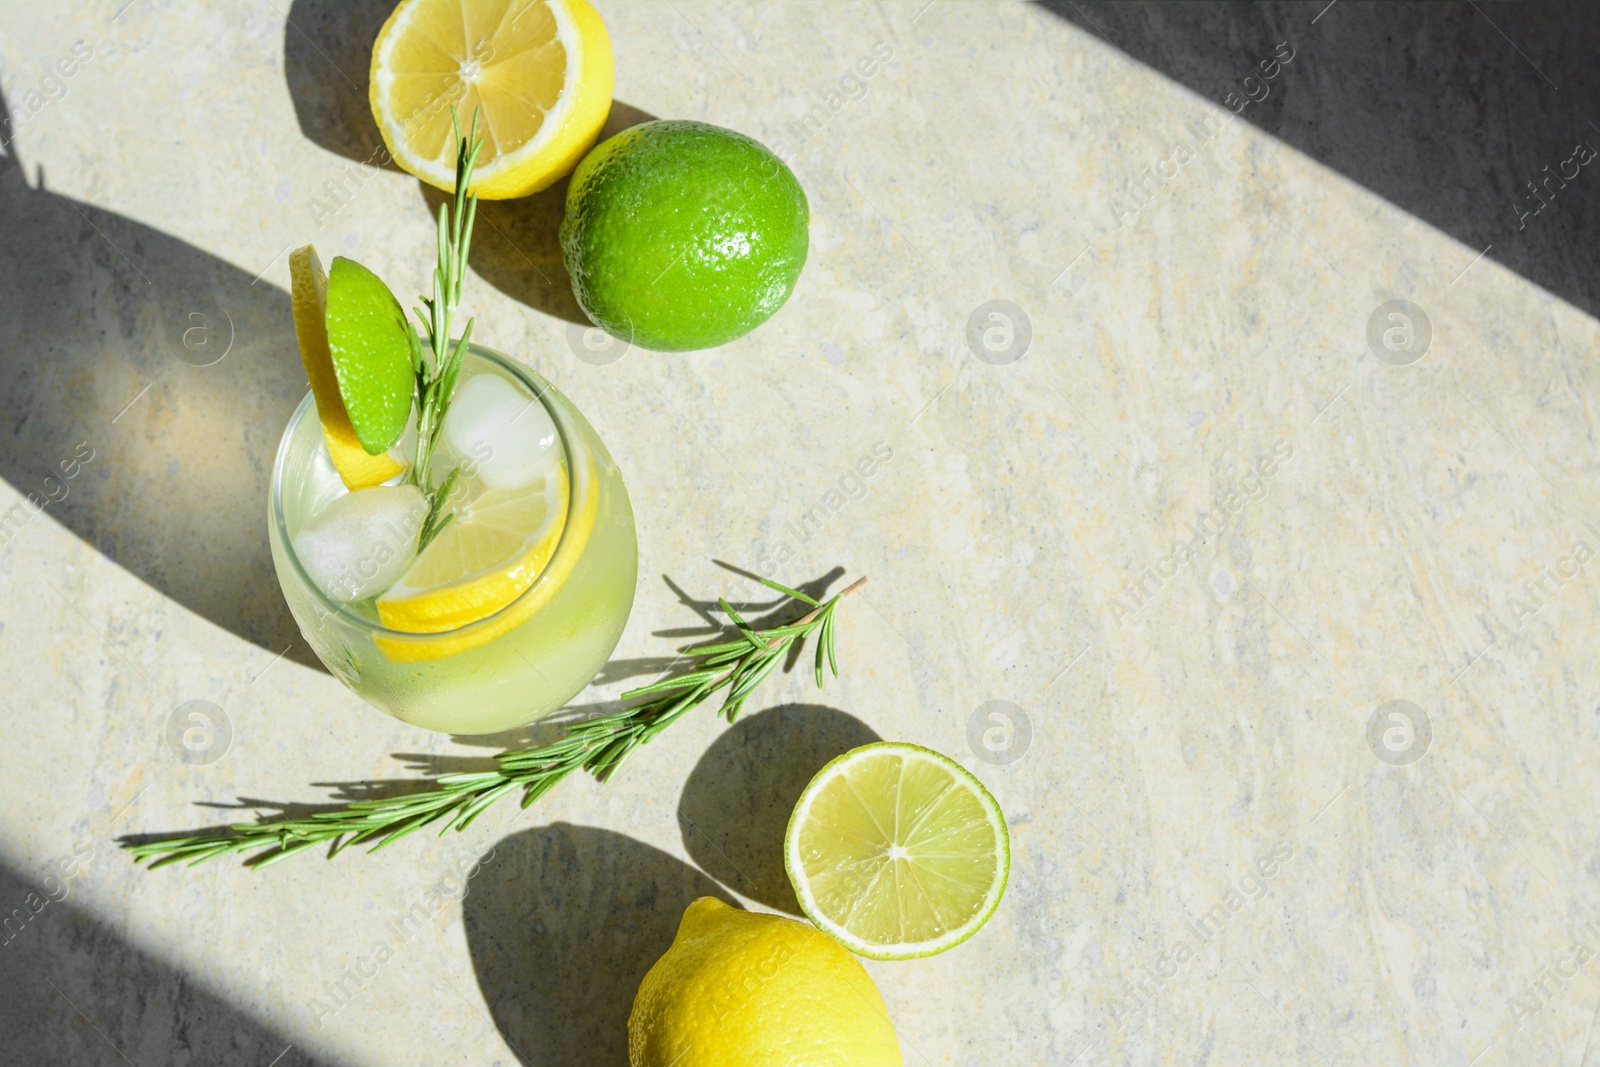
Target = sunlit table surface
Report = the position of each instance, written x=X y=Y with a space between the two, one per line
x=1238 y=533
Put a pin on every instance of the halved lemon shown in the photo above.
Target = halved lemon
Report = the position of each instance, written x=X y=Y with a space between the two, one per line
x=309 y=300
x=897 y=851
x=540 y=70
x=497 y=544
x=427 y=608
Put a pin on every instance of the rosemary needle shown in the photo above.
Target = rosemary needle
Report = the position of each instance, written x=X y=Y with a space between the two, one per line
x=598 y=745
x=438 y=368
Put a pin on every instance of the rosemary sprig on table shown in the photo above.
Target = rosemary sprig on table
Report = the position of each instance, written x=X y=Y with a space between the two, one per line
x=598 y=746
x=438 y=366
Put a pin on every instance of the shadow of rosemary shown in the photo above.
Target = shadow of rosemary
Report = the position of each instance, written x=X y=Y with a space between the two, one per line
x=734 y=654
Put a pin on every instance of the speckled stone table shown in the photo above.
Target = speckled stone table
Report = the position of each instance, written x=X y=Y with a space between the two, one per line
x=1235 y=526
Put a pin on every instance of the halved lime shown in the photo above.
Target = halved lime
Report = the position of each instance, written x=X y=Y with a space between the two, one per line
x=369 y=340
x=897 y=851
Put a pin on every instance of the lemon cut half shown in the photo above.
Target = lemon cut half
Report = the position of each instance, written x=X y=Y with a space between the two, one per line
x=494 y=548
x=540 y=71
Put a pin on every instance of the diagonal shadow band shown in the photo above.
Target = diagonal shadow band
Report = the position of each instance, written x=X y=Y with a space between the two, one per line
x=161 y=377
x=1463 y=115
x=74 y=991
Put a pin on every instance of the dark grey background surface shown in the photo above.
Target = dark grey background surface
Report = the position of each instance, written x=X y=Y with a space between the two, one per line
x=1447 y=110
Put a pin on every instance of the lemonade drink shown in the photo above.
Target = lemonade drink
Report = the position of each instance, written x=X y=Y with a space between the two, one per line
x=511 y=607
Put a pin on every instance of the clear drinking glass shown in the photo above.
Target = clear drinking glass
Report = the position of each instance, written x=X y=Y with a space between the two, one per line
x=506 y=670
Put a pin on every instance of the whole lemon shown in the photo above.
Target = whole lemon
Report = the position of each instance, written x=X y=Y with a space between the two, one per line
x=738 y=989
x=680 y=235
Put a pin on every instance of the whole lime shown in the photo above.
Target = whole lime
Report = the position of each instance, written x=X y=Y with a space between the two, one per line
x=681 y=235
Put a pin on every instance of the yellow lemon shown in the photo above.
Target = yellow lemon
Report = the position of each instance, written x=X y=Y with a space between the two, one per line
x=309 y=300
x=539 y=70
x=739 y=989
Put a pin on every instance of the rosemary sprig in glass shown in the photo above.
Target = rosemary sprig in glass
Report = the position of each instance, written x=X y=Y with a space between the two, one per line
x=598 y=746
x=438 y=366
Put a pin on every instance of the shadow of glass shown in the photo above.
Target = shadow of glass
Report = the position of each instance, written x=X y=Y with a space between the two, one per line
x=143 y=387
x=736 y=803
x=59 y=961
x=563 y=922
x=1448 y=111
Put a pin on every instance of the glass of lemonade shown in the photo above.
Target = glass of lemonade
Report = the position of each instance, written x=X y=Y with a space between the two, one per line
x=512 y=607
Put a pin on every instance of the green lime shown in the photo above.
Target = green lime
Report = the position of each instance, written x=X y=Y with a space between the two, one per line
x=369 y=339
x=680 y=235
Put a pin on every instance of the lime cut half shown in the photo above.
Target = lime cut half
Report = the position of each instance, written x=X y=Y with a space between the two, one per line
x=897 y=851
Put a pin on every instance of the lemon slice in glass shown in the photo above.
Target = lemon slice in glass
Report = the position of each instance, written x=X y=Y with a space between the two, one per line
x=488 y=555
x=897 y=851
x=540 y=70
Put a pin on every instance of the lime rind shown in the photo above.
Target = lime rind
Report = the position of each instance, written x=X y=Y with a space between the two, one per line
x=309 y=298
x=793 y=863
x=370 y=342
x=679 y=235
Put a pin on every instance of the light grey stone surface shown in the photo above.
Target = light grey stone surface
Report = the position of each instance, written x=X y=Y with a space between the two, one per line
x=1387 y=533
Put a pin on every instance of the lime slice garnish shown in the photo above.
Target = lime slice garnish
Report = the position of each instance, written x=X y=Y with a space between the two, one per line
x=369 y=340
x=897 y=851
x=309 y=293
